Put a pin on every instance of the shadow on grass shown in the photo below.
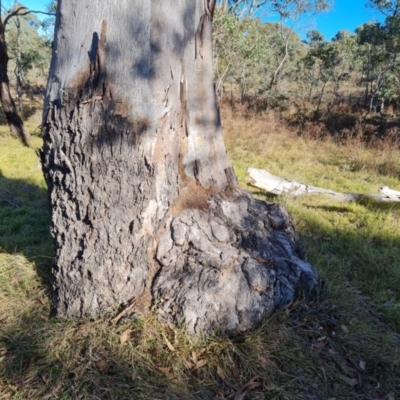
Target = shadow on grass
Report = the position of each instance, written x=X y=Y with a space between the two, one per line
x=361 y=249
x=372 y=205
x=43 y=357
x=356 y=243
x=25 y=224
x=29 y=109
x=67 y=360
x=48 y=358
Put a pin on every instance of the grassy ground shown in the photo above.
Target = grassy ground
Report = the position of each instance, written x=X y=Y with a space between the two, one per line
x=343 y=346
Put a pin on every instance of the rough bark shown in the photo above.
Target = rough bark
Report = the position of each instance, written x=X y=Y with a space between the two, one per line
x=145 y=203
x=15 y=122
x=227 y=267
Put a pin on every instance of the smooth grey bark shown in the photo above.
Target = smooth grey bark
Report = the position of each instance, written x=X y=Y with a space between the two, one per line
x=145 y=203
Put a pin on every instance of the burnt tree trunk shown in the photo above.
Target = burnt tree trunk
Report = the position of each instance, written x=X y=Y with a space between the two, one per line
x=145 y=203
x=14 y=121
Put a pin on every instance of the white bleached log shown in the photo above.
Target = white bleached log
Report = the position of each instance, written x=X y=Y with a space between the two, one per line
x=391 y=195
x=268 y=182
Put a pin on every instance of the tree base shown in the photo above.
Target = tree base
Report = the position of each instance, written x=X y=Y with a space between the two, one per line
x=227 y=267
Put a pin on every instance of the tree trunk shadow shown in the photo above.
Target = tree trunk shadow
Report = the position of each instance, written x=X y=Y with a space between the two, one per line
x=25 y=225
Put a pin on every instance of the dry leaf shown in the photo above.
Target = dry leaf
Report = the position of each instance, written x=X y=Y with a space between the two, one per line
x=324 y=373
x=194 y=357
x=59 y=357
x=345 y=329
x=43 y=301
x=321 y=339
x=163 y=370
x=200 y=364
x=189 y=364
x=102 y=366
x=125 y=336
x=362 y=365
x=336 y=387
x=201 y=352
x=31 y=363
x=221 y=373
x=390 y=396
x=321 y=345
x=353 y=382
x=250 y=385
x=169 y=345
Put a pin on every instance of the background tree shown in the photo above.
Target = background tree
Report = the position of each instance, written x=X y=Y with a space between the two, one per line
x=325 y=63
x=146 y=211
x=28 y=49
x=48 y=22
x=290 y=12
x=390 y=8
x=379 y=48
x=14 y=120
x=254 y=55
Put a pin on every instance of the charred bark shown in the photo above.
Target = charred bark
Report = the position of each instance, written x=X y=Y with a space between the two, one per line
x=145 y=203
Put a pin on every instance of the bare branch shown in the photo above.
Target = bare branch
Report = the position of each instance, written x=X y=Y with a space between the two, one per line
x=19 y=13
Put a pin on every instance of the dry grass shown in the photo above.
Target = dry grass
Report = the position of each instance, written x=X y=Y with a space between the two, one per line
x=343 y=346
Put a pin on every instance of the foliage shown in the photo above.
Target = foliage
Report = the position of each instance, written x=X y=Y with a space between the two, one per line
x=35 y=50
x=248 y=52
x=325 y=62
x=387 y=7
x=267 y=62
x=48 y=23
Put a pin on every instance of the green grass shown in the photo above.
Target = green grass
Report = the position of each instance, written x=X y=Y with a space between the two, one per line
x=357 y=243
x=343 y=346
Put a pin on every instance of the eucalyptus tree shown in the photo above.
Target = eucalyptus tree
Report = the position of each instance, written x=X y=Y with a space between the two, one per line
x=14 y=120
x=243 y=8
x=379 y=49
x=244 y=54
x=254 y=54
x=290 y=13
x=389 y=8
x=27 y=47
x=146 y=209
x=326 y=65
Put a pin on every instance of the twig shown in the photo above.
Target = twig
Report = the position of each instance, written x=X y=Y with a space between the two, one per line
x=124 y=312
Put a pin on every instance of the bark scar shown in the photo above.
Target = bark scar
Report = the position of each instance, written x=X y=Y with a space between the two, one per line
x=209 y=7
x=199 y=36
x=98 y=69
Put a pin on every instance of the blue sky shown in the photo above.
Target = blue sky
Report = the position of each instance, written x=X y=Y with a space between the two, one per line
x=345 y=14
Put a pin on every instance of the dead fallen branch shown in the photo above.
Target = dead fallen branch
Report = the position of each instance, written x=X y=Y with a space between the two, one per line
x=267 y=182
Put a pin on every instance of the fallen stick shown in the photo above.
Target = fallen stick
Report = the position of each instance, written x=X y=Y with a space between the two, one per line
x=267 y=182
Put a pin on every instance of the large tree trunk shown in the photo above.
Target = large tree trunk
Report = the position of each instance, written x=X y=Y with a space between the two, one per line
x=14 y=120
x=145 y=203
